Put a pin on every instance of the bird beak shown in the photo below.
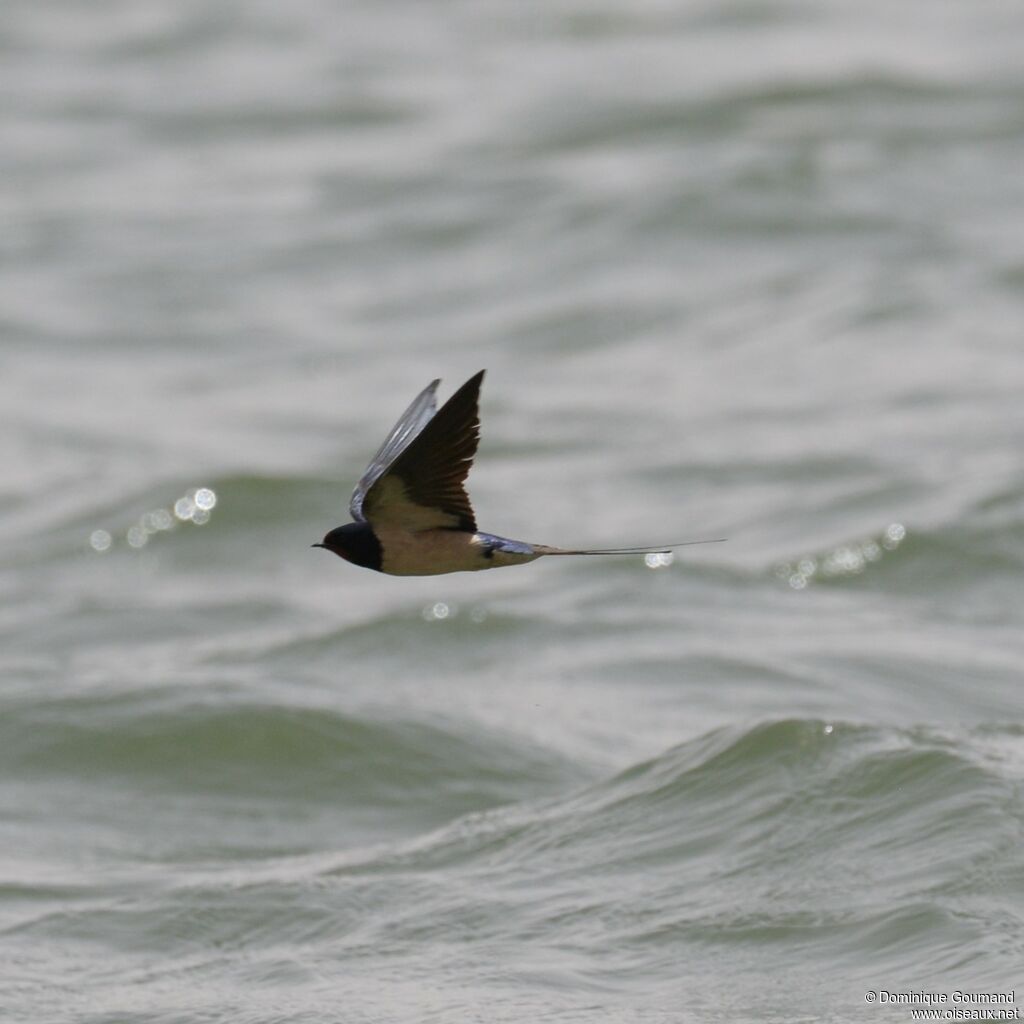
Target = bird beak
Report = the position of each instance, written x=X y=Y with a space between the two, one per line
x=316 y=545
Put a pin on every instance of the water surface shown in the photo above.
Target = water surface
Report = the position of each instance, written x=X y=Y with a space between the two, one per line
x=744 y=270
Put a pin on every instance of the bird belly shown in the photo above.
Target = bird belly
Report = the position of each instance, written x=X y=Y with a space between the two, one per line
x=433 y=552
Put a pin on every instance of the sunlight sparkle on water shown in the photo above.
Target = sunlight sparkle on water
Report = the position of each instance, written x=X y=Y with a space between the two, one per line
x=659 y=559
x=184 y=507
x=844 y=560
x=100 y=540
x=205 y=499
x=137 y=537
x=894 y=535
x=438 y=610
x=194 y=507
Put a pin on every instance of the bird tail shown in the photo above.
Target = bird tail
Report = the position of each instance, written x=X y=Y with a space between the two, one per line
x=662 y=549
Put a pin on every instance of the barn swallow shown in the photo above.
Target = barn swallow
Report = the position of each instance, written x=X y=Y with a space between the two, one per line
x=412 y=516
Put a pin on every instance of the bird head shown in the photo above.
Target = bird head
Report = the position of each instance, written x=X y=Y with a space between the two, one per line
x=356 y=543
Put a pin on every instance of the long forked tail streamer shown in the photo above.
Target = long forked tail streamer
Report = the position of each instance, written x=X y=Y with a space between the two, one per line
x=663 y=549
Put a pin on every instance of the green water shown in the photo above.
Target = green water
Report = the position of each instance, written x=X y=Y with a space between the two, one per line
x=736 y=270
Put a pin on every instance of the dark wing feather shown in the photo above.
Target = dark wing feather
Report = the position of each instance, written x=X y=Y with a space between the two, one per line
x=423 y=488
x=411 y=422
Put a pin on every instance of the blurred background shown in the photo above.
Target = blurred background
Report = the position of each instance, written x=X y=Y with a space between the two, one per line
x=745 y=269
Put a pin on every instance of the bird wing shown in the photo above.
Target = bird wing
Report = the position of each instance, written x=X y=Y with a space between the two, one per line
x=422 y=487
x=403 y=433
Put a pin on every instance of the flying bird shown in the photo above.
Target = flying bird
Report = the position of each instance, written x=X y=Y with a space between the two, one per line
x=412 y=516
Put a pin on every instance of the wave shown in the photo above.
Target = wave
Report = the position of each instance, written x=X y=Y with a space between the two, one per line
x=828 y=849
x=230 y=747
x=838 y=842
